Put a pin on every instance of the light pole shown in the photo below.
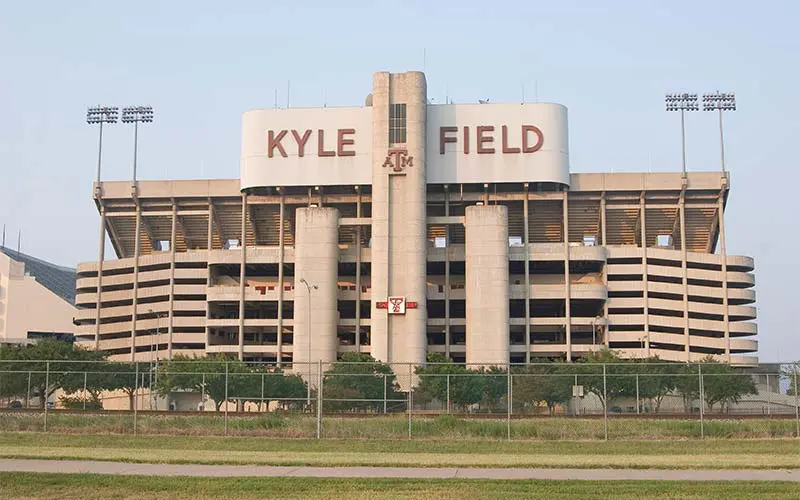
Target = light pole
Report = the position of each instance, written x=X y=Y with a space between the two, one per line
x=308 y=382
x=136 y=114
x=720 y=101
x=682 y=102
x=100 y=115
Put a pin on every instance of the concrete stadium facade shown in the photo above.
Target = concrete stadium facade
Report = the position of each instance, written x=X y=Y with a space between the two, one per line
x=401 y=228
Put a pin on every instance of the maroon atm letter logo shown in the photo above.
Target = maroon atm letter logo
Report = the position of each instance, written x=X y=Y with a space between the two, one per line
x=398 y=160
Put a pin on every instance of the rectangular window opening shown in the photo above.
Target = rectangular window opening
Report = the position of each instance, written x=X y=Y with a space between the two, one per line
x=397 y=124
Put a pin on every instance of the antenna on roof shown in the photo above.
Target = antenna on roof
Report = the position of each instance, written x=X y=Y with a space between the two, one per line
x=19 y=241
x=424 y=59
x=276 y=98
x=523 y=91
x=288 y=89
x=536 y=90
x=4 y=237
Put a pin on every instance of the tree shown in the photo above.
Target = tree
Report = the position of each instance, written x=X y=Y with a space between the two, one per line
x=656 y=379
x=465 y=387
x=536 y=383
x=724 y=384
x=217 y=376
x=495 y=386
x=617 y=380
x=792 y=373
x=51 y=365
x=356 y=382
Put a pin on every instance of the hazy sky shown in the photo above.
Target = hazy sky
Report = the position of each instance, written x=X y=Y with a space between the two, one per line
x=201 y=64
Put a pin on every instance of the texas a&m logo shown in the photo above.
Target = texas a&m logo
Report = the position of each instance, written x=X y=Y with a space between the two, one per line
x=398 y=160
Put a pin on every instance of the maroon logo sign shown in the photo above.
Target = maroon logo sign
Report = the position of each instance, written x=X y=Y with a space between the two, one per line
x=398 y=160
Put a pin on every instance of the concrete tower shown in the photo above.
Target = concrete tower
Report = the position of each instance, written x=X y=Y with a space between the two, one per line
x=399 y=215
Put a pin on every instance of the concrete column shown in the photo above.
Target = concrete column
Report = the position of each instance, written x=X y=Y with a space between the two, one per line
x=137 y=243
x=526 y=238
x=447 y=274
x=173 y=232
x=358 y=271
x=567 y=284
x=643 y=228
x=685 y=276
x=399 y=249
x=724 y=254
x=242 y=275
x=280 y=279
x=605 y=263
x=487 y=288
x=210 y=224
x=100 y=259
x=316 y=261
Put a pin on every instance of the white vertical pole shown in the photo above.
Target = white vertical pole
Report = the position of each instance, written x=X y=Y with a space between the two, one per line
x=410 y=400
x=605 y=404
x=136 y=399
x=637 y=394
x=226 y=399
x=319 y=398
x=384 y=393
x=510 y=398
x=46 y=385
x=702 y=410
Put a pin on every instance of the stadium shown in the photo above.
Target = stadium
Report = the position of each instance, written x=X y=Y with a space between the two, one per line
x=400 y=228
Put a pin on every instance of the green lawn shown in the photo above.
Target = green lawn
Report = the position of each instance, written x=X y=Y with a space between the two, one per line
x=396 y=426
x=764 y=454
x=89 y=487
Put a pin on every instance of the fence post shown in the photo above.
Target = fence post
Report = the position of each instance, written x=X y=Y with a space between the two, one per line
x=384 y=393
x=769 y=404
x=261 y=401
x=410 y=401
x=226 y=400
x=510 y=397
x=637 y=394
x=203 y=392
x=796 y=402
x=84 y=391
x=702 y=398
x=319 y=399
x=605 y=404
x=136 y=399
x=28 y=395
x=448 y=393
x=46 y=385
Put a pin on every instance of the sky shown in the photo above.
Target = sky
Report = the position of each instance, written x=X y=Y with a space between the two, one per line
x=200 y=64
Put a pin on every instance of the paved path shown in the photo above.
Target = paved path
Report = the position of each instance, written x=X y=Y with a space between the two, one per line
x=121 y=468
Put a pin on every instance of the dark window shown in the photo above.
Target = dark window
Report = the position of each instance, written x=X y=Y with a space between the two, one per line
x=397 y=124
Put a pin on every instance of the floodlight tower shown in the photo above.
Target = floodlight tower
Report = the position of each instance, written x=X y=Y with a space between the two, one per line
x=136 y=114
x=720 y=101
x=100 y=115
x=682 y=102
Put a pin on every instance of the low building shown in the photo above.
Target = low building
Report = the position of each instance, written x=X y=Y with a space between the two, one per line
x=37 y=299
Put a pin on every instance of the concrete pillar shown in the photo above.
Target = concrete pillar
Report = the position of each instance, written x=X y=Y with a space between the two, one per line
x=101 y=258
x=137 y=243
x=281 y=257
x=316 y=262
x=487 y=288
x=527 y=241
x=685 y=276
x=643 y=228
x=173 y=231
x=242 y=276
x=399 y=243
x=567 y=280
x=724 y=254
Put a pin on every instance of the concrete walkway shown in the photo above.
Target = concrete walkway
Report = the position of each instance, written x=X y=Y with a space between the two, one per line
x=121 y=468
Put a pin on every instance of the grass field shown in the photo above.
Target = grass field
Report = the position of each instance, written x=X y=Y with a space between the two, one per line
x=396 y=427
x=90 y=487
x=717 y=454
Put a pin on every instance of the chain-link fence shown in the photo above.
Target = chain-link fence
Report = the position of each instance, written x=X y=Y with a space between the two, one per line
x=371 y=400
